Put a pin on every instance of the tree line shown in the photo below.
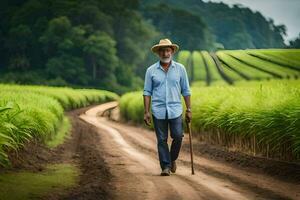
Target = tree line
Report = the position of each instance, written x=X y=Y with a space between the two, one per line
x=106 y=44
x=79 y=43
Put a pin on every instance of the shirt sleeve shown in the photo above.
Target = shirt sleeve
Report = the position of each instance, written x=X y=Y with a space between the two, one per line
x=148 y=84
x=185 y=86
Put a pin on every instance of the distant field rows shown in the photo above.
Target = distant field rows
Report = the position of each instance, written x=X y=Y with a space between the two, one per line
x=229 y=66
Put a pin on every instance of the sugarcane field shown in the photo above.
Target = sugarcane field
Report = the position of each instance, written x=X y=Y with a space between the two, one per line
x=160 y=100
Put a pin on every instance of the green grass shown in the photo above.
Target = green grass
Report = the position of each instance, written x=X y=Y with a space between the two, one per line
x=238 y=65
x=184 y=57
x=262 y=64
x=63 y=132
x=25 y=116
x=69 y=98
x=198 y=84
x=26 y=185
x=199 y=66
x=28 y=112
x=286 y=56
x=249 y=71
x=270 y=83
x=131 y=107
x=269 y=112
x=213 y=71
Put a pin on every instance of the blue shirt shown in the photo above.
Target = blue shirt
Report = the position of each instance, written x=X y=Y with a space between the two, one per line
x=166 y=89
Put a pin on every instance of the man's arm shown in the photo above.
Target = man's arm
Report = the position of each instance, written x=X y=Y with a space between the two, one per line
x=186 y=93
x=147 y=115
x=187 y=100
x=147 y=97
x=147 y=100
x=188 y=112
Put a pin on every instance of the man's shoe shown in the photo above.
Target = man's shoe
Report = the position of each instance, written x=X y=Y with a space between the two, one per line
x=165 y=172
x=173 y=166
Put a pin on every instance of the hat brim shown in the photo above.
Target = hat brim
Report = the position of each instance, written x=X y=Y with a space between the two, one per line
x=156 y=47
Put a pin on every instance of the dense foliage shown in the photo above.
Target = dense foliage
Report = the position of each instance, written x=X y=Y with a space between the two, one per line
x=37 y=112
x=78 y=43
x=295 y=43
x=234 y=27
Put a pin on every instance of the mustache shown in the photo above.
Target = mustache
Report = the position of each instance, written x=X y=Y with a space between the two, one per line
x=165 y=59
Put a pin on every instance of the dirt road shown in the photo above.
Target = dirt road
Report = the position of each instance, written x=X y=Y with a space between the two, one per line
x=131 y=156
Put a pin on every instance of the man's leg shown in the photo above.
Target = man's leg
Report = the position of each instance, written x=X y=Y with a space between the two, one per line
x=176 y=128
x=161 y=130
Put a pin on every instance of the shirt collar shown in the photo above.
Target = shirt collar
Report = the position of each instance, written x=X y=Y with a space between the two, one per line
x=172 y=64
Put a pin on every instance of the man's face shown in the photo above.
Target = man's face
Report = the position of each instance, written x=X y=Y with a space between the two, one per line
x=165 y=54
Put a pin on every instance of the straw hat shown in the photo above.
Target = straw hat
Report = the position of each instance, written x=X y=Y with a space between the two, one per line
x=164 y=43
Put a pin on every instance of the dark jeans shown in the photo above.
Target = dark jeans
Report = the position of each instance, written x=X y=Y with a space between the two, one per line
x=161 y=130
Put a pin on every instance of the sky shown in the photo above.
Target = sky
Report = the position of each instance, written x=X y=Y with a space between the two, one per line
x=285 y=12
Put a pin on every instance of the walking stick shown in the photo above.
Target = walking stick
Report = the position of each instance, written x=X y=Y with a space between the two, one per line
x=191 y=146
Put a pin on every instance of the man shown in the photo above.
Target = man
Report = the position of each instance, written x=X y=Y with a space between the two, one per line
x=165 y=81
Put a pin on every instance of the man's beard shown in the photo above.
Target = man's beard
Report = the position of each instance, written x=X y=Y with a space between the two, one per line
x=166 y=60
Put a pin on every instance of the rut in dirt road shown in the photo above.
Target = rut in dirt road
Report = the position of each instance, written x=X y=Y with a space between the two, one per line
x=132 y=159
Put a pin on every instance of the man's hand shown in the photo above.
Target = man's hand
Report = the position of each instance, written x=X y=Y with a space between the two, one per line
x=147 y=118
x=188 y=116
x=188 y=113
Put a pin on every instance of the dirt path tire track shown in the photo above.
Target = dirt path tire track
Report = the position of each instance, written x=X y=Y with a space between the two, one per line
x=147 y=183
x=82 y=150
x=133 y=162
